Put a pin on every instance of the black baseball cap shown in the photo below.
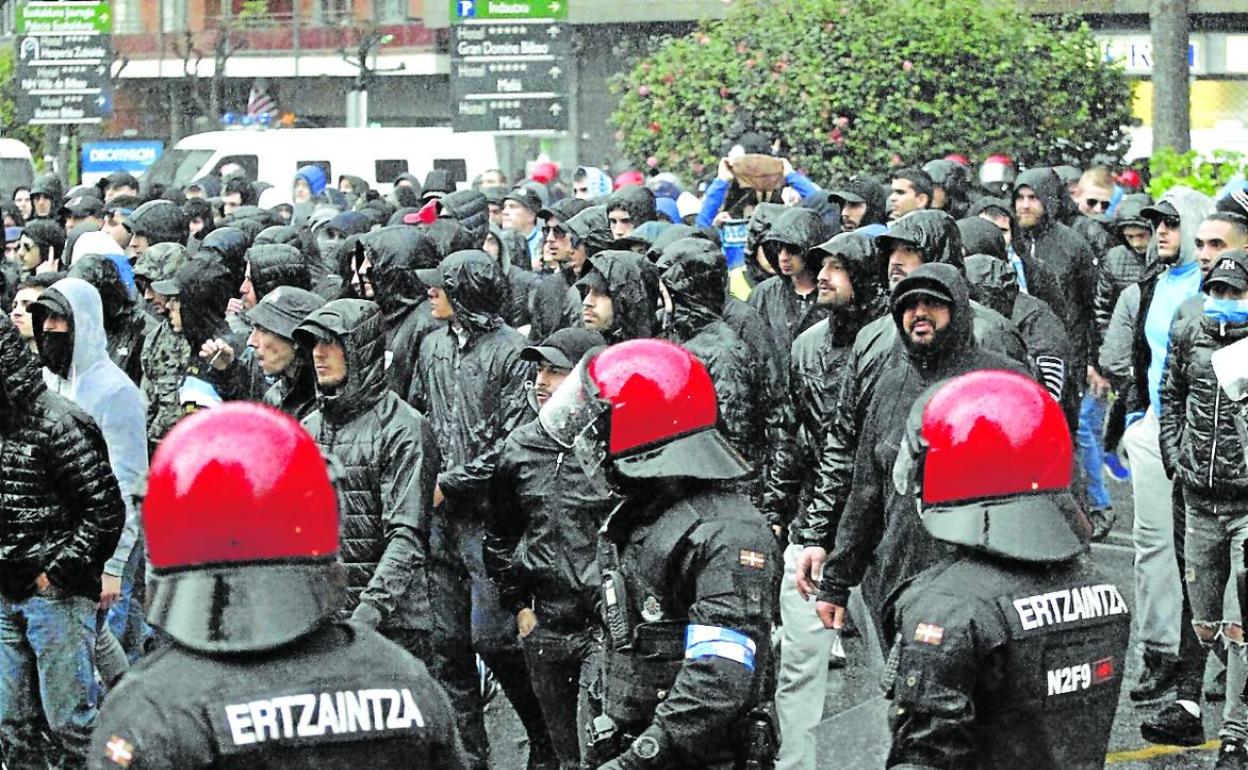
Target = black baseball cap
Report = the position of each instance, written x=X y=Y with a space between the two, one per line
x=1159 y=211
x=168 y=287
x=525 y=196
x=1231 y=269
x=564 y=208
x=283 y=309
x=916 y=286
x=431 y=277
x=83 y=206
x=564 y=348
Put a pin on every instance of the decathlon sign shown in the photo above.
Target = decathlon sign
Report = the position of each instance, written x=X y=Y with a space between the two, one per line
x=104 y=158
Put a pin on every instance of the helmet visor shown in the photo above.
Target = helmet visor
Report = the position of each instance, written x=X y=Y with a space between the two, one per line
x=577 y=419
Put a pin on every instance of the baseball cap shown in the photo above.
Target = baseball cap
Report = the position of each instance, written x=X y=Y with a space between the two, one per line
x=920 y=286
x=283 y=309
x=525 y=196
x=83 y=206
x=1231 y=269
x=431 y=277
x=564 y=208
x=12 y=234
x=167 y=288
x=564 y=348
x=852 y=192
x=1160 y=210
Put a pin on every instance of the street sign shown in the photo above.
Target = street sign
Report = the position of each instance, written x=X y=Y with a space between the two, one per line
x=494 y=41
x=485 y=10
x=64 y=58
x=514 y=114
x=545 y=74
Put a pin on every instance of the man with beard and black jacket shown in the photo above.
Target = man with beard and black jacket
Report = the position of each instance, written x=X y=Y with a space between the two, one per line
x=923 y=237
x=629 y=208
x=1038 y=232
x=539 y=549
x=556 y=302
x=786 y=301
x=389 y=460
x=694 y=279
x=125 y=323
x=62 y=517
x=863 y=202
x=470 y=381
x=512 y=253
x=619 y=296
x=878 y=530
x=850 y=287
x=384 y=269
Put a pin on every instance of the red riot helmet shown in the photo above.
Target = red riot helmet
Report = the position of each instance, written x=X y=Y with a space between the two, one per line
x=990 y=454
x=645 y=409
x=241 y=522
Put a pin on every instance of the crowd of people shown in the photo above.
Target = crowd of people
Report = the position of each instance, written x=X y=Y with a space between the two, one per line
x=421 y=339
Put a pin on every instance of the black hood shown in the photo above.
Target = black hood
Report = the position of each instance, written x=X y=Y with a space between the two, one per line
x=800 y=228
x=672 y=234
x=477 y=290
x=51 y=186
x=761 y=221
x=396 y=254
x=20 y=379
x=357 y=325
x=933 y=233
x=637 y=201
x=229 y=246
x=590 y=226
x=958 y=338
x=359 y=187
x=696 y=276
x=101 y=272
x=277 y=264
x=278 y=234
x=513 y=249
x=993 y=282
x=1047 y=187
x=633 y=284
x=160 y=221
x=1129 y=212
x=205 y=287
x=470 y=209
x=874 y=194
x=979 y=236
x=449 y=236
x=829 y=211
x=861 y=258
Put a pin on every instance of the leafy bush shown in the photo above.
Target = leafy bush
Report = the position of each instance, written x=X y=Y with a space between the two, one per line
x=866 y=84
x=1168 y=168
x=9 y=127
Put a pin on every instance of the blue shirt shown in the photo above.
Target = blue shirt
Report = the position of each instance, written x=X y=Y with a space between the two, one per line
x=1172 y=288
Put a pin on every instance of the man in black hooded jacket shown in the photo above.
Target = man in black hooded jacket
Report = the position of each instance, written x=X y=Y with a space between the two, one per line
x=125 y=323
x=786 y=301
x=619 y=295
x=470 y=381
x=629 y=208
x=878 y=530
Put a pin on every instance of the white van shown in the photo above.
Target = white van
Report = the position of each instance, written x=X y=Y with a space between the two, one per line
x=17 y=168
x=377 y=155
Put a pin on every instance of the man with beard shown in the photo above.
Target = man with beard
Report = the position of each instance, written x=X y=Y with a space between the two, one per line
x=878 y=531
x=539 y=549
x=619 y=296
x=863 y=202
x=849 y=285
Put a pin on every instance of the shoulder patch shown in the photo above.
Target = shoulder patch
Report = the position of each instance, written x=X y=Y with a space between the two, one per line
x=753 y=559
x=119 y=751
x=929 y=634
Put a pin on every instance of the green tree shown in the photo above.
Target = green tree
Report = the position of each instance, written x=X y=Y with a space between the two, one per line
x=9 y=126
x=853 y=85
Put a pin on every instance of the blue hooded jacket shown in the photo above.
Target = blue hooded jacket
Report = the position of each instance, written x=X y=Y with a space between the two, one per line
x=314 y=176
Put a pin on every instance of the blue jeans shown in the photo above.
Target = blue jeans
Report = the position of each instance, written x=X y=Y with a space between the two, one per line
x=126 y=618
x=1091 y=453
x=47 y=647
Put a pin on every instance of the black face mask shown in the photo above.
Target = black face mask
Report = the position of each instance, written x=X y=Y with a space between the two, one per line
x=56 y=351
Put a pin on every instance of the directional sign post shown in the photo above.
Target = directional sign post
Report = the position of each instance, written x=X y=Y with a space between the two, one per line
x=64 y=57
x=509 y=65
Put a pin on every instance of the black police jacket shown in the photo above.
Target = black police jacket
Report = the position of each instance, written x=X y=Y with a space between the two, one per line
x=689 y=585
x=1005 y=664
x=342 y=696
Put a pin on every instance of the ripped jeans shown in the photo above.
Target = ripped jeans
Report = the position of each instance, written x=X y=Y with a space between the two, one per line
x=1215 y=555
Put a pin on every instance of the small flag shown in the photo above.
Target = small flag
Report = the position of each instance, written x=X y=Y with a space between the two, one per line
x=119 y=751
x=753 y=559
x=929 y=634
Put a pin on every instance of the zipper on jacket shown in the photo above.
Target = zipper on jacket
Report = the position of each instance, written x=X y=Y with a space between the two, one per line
x=1213 y=448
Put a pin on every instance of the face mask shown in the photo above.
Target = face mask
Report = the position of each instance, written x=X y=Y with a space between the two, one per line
x=56 y=351
x=1227 y=311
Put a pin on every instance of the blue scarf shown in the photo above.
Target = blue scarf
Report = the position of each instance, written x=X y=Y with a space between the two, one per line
x=1227 y=311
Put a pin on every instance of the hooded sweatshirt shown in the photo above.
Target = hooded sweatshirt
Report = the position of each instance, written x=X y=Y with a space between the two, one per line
x=101 y=243
x=596 y=180
x=1123 y=265
x=1068 y=254
x=979 y=236
x=125 y=322
x=470 y=379
x=637 y=201
x=108 y=395
x=775 y=299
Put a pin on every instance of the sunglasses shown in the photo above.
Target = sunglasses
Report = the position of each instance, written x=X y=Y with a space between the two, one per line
x=1170 y=222
x=1094 y=203
x=556 y=231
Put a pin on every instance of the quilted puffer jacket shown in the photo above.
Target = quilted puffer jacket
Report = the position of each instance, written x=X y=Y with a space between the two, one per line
x=61 y=511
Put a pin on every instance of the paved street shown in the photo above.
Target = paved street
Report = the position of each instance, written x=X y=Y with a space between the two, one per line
x=854 y=732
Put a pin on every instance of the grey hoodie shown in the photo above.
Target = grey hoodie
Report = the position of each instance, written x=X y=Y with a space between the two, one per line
x=111 y=398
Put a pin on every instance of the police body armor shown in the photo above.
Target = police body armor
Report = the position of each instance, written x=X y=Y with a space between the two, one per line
x=1039 y=649
x=648 y=587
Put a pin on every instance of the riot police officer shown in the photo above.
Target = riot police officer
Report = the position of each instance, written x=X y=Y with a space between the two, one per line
x=241 y=524
x=1010 y=654
x=689 y=568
